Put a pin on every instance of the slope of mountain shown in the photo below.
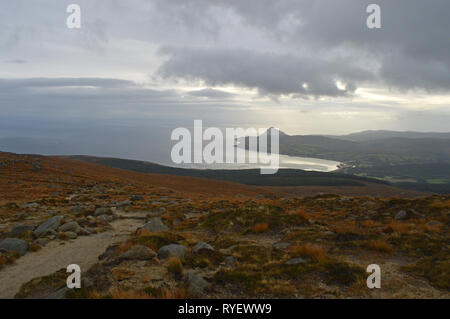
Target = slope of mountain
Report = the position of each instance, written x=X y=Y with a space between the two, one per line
x=139 y=235
x=381 y=134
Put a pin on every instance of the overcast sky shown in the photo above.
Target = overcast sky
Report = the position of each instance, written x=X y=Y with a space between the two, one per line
x=308 y=67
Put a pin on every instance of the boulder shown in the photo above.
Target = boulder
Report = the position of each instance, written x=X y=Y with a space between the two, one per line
x=139 y=252
x=196 y=284
x=71 y=234
x=19 y=230
x=14 y=244
x=51 y=224
x=202 y=246
x=401 y=215
x=70 y=226
x=296 y=261
x=101 y=211
x=176 y=250
x=155 y=225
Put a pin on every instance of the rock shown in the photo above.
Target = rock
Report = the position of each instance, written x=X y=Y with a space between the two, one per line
x=196 y=284
x=230 y=261
x=120 y=274
x=281 y=245
x=136 y=198
x=401 y=215
x=41 y=241
x=101 y=211
x=14 y=244
x=70 y=234
x=139 y=252
x=31 y=205
x=51 y=224
x=103 y=218
x=155 y=225
x=76 y=208
x=19 y=230
x=70 y=226
x=329 y=233
x=83 y=232
x=176 y=250
x=202 y=246
x=123 y=203
x=296 y=261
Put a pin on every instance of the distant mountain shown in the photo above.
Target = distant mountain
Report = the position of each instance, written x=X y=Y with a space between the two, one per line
x=381 y=134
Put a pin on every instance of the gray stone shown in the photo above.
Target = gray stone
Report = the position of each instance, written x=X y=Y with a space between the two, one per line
x=101 y=211
x=51 y=224
x=136 y=198
x=123 y=203
x=71 y=235
x=83 y=232
x=196 y=284
x=202 y=246
x=155 y=225
x=401 y=215
x=14 y=244
x=176 y=250
x=296 y=261
x=31 y=205
x=19 y=230
x=139 y=252
x=70 y=226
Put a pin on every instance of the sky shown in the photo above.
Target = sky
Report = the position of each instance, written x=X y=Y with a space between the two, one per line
x=137 y=69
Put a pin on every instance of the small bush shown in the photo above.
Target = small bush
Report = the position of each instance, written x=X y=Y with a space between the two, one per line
x=174 y=266
x=379 y=245
x=260 y=228
x=313 y=252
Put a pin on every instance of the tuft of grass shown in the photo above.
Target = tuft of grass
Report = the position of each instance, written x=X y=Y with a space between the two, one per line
x=379 y=245
x=342 y=273
x=260 y=228
x=313 y=252
x=175 y=266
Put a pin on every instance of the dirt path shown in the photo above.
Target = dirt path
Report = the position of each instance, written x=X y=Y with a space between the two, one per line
x=83 y=251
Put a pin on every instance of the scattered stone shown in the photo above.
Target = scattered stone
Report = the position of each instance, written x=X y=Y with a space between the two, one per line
x=155 y=225
x=296 y=261
x=101 y=211
x=31 y=205
x=76 y=208
x=123 y=203
x=176 y=250
x=139 y=252
x=196 y=284
x=69 y=227
x=401 y=215
x=230 y=261
x=83 y=232
x=434 y=223
x=19 y=230
x=202 y=246
x=135 y=198
x=51 y=224
x=14 y=244
x=70 y=234
x=41 y=241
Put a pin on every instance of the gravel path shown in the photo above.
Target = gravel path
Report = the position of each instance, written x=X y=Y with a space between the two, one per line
x=83 y=251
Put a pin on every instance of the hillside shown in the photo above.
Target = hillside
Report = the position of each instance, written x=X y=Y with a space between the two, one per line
x=138 y=235
x=410 y=160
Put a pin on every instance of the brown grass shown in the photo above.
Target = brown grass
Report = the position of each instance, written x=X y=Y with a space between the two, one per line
x=174 y=266
x=399 y=227
x=260 y=228
x=311 y=251
x=379 y=245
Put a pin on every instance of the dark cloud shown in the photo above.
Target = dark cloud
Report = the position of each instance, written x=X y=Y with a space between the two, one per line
x=270 y=73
